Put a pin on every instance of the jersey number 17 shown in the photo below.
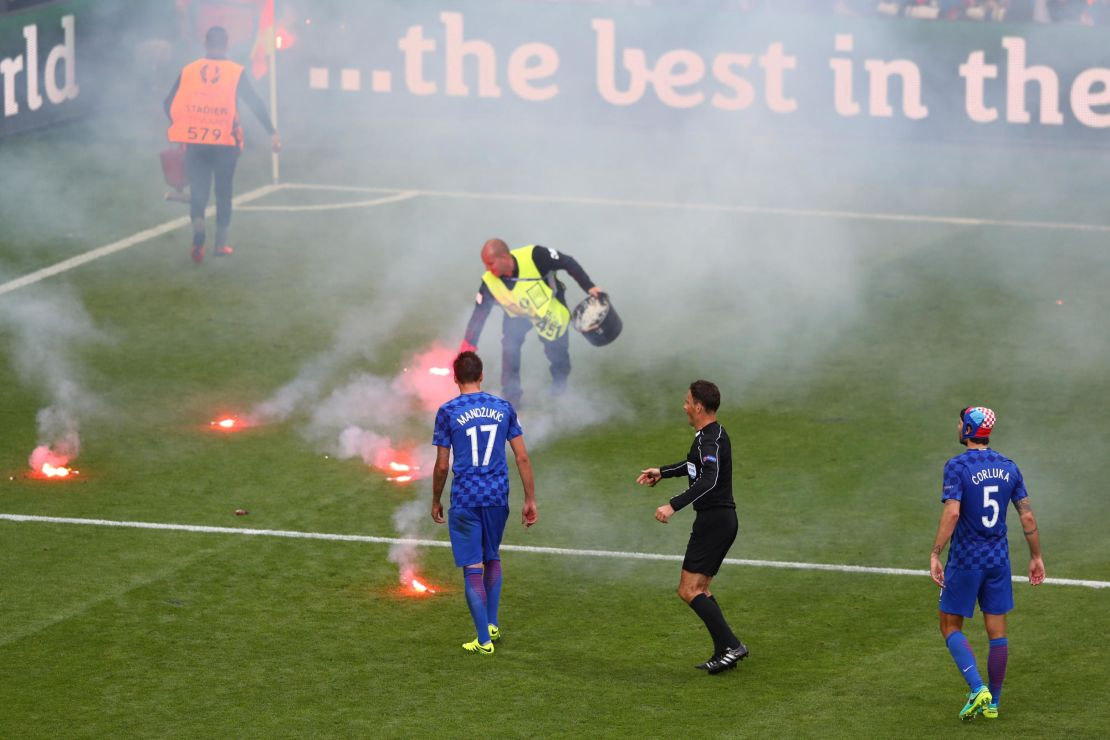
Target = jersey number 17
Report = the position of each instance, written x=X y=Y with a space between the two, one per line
x=491 y=434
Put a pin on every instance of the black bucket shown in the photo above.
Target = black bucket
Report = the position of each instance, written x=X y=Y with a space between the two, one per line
x=597 y=320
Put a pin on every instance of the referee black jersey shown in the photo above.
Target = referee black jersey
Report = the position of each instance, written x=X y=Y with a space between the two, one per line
x=709 y=468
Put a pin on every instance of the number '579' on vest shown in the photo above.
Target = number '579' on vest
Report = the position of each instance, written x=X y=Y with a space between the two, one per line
x=531 y=297
x=204 y=109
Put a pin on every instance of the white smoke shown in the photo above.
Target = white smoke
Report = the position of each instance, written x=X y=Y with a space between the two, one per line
x=408 y=520
x=355 y=338
x=578 y=408
x=50 y=329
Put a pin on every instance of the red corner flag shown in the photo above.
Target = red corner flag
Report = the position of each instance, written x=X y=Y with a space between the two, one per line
x=263 y=43
x=249 y=25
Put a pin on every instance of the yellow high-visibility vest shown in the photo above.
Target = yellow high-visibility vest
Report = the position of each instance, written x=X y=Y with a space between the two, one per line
x=531 y=297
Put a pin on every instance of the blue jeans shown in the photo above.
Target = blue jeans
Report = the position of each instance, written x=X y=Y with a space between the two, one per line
x=204 y=164
x=513 y=331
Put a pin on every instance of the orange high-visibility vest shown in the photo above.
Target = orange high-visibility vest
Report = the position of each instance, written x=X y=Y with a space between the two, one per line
x=204 y=110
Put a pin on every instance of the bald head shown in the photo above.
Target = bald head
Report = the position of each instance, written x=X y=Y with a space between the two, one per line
x=494 y=248
x=497 y=258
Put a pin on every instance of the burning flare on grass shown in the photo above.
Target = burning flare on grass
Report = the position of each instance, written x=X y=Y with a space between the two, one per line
x=401 y=465
x=404 y=469
x=48 y=464
x=420 y=588
x=230 y=423
x=61 y=472
x=408 y=520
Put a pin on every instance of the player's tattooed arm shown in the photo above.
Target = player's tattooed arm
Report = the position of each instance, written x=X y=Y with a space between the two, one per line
x=1024 y=507
x=1032 y=538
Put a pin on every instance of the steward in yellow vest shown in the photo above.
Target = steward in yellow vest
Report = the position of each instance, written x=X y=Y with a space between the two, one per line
x=204 y=117
x=523 y=281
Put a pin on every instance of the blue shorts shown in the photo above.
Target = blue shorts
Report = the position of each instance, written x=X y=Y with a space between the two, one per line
x=476 y=533
x=992 y=588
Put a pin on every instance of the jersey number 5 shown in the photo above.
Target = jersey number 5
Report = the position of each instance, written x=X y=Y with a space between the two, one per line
x=491 y=434
x=990 y=503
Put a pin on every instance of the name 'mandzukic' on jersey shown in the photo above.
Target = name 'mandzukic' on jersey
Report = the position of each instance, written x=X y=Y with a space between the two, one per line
x=479 y=413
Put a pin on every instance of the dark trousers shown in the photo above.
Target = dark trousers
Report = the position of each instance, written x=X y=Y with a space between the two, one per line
x=203 y=164
x=513 y=331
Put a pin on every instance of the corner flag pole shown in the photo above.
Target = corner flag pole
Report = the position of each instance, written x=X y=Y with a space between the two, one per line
x=271 y=52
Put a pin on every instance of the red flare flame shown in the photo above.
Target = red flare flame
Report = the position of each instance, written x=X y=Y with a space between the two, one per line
x=50 y=465
x=427 y=377
x=60 y=471
x=230 y=424
x=417 y=588
x=284 y=38
x=420 y=588
x=399 y=464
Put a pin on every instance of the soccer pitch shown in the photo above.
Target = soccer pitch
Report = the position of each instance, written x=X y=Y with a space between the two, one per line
x=848 y=300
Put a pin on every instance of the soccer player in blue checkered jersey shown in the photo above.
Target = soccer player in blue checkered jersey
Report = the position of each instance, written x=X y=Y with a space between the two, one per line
x=977 y=486
x=474 y=427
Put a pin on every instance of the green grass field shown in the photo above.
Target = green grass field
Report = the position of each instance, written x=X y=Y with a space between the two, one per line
x=844 y=344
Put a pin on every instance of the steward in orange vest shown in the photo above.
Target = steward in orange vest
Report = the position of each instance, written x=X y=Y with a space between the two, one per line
x=204 y=117
x=203 y=109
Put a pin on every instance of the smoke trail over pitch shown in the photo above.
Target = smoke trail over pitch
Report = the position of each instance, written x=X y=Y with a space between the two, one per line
x=50 y=329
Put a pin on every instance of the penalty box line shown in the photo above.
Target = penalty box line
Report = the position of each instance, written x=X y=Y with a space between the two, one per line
x=612 y=554
x=125 y=243
x=714 y=208
x=240 y=202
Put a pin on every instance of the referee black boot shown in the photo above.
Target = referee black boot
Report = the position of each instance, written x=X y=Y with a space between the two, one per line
x=728 y=659
x=705 y=666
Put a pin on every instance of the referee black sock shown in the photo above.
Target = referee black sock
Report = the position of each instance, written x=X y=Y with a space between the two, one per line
x=734 y=640
x=706 y=607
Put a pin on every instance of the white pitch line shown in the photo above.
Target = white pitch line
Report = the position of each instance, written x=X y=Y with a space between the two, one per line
x=725 y=208
x=406 y=195
x=615 y=554
x=122 y=244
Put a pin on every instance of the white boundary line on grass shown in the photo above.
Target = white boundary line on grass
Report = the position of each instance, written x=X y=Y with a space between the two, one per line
x=616 y=554
x=405 y=195
x=122 y=244
x=718 y=207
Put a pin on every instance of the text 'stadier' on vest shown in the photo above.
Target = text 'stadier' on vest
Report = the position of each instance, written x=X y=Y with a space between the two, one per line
x=204 y=109
x=530 y=297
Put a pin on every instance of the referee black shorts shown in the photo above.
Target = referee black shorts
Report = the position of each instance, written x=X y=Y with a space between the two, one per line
x=713 y=534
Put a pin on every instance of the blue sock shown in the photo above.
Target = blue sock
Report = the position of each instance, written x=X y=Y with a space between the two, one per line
x=476 y=600
x=965 y=659
x=492 y=582
x=996 y=666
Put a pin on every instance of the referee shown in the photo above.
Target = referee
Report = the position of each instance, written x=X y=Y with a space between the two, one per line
x=708 y=466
